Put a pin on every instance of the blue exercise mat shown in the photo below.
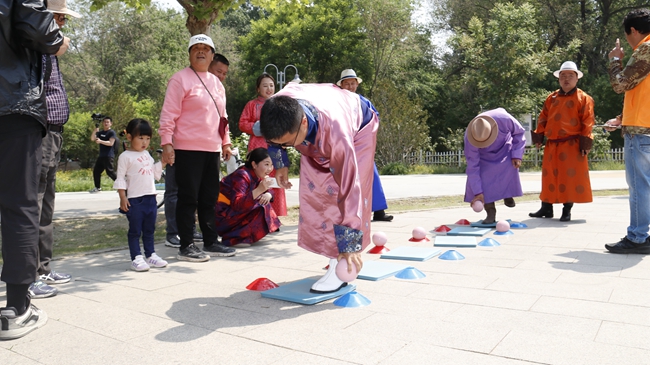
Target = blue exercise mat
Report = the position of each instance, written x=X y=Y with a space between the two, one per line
x=469 y=231
x=478 y=224
x=411 y=253
x=454 y=241
x=298 y=292
x=377 y=270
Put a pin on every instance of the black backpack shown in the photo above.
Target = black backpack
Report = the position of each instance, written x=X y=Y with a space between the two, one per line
x=116 y=145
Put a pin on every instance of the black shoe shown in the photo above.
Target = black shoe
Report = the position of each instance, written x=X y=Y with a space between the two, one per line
x=173 y=241
x=198 y=237
x=381 y=216
x=509 y=202
x=193 y=254
x=217 y=249
x=566 y=212
x=546 y=211
x=626 y=246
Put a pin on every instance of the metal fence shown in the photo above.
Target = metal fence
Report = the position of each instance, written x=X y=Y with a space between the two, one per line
x=532 y=157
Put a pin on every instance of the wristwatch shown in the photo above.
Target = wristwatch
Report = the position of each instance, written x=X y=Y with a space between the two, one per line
x=613 y=59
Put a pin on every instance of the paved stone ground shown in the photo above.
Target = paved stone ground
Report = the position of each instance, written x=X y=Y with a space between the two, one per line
x=550 y=294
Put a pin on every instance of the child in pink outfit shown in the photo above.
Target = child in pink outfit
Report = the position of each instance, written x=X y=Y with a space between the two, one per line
x=136 y=175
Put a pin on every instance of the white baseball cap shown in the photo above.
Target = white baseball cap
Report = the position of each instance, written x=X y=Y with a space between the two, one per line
x=201 y=38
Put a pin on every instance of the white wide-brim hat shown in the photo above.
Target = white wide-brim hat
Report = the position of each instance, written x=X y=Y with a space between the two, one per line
x=201 y=39
x=60 y=7
x=482 y=131
x=348 y=74
x=568 y=66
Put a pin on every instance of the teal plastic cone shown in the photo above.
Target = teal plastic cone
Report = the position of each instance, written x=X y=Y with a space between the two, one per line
x=410 y=273
x=489 y=242
x=451 y=255
x=352 y=300
x=506 y=233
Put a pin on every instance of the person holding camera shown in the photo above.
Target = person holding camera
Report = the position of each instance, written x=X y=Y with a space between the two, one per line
x=105 y=139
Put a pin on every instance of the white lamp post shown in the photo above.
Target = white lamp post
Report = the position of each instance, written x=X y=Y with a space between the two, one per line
x=280 y=75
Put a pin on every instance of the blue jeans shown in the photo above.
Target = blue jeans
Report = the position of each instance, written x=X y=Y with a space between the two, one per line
x=637 y=174
x=142 y=222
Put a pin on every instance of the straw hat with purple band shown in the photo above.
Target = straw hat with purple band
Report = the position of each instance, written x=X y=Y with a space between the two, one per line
x=482 y=131
x=348 y=74
x=568 y=66
x=60 y=7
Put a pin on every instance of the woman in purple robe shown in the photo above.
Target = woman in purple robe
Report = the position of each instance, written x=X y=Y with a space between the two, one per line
x=494 y=147
x=244 y=212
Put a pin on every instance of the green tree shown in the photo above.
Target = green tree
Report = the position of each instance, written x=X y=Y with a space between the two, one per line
x=403 y=127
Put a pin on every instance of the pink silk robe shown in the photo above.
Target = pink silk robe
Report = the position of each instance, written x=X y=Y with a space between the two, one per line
x=336 y=172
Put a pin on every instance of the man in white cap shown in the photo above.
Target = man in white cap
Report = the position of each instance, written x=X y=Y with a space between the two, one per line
x=193 y=137
x=566 y=121
x=494 y=147
x=349 y=81
x=58 y=112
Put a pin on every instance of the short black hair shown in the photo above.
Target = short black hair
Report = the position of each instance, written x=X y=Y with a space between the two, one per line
x=218 y=57
x=107 y=117
x=280 y=115
x=639 y=19
x=139 y=127
x=257 y=155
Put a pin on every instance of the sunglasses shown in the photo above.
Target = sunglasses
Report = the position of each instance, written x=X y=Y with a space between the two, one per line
x=285 y=145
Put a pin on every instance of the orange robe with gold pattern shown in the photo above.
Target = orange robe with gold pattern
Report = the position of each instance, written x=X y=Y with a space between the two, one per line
x=566 y=121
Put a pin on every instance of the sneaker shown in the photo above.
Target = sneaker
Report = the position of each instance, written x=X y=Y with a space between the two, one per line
x=16 y=326
x=626 y=246
x=193 y=254
x=217 y=249
x=173 y=241
x=55 y=278
x=155 y=261
x=40 y=290
x=139 y=264
x=95 y=190
x=198 y=236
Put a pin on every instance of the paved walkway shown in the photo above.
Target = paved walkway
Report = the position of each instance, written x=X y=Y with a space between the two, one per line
x=550 y=294
x=83 y=204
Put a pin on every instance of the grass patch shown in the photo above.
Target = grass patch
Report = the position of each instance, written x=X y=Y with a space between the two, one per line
x=606 y=165
x=80 y=180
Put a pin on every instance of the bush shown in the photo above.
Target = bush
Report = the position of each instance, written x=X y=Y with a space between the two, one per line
x=395 y=168
x=80 y=180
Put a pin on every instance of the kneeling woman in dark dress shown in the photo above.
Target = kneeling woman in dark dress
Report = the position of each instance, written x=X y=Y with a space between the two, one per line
x=244 y=212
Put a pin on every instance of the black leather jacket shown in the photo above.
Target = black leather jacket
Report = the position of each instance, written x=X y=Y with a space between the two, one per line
x=27 y=31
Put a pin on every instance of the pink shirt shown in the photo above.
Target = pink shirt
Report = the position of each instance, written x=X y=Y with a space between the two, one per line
x=189 y=120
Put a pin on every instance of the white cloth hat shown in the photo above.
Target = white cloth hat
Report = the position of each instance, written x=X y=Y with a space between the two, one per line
x=568 y=66
x=203 y=39
x=348 y=74
x=60 y=7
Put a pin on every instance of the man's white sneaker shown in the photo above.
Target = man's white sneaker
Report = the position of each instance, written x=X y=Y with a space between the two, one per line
x=16 y=326
x=155 y=261
x=139 y=264
x=330 y=282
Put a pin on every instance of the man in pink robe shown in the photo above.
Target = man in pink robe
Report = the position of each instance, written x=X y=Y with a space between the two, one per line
x=336 y=132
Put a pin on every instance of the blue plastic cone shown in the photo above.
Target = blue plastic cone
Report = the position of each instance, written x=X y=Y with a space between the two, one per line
x=489 y=242
x=506 y=233
x=451 y=255
x=518 y=225
x=352 y=300
x=410 y=273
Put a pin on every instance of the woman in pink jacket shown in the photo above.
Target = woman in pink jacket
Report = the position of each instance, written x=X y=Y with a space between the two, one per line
x=251 y=114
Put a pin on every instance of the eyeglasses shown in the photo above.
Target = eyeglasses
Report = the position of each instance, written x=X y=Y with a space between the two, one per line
x=285 y=145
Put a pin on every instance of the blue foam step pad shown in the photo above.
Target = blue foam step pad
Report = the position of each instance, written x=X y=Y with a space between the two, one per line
x=378 y=270
x=454 y=241
x=298 y=292
x=468 y=231
x=411 y=253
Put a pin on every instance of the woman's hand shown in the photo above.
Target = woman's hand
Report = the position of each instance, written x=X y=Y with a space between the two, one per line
x=352 y=258
x=168 y=155
x=265 y=198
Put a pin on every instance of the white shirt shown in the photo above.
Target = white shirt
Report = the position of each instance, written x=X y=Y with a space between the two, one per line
x=136 y=173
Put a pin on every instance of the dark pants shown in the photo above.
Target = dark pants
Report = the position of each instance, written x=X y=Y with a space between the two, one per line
x=103 y=163
x=20 y=164
x=46 y=193
x=197 y=178
x=142 y=215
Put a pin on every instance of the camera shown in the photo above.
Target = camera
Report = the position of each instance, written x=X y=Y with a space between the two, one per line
x=98 y=118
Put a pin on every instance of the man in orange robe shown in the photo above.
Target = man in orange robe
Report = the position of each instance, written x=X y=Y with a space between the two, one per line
x=566 y=121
